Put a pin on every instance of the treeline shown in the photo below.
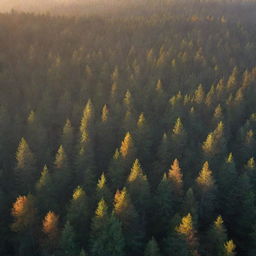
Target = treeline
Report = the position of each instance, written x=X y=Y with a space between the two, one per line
x=229 y=8
x=128 y=136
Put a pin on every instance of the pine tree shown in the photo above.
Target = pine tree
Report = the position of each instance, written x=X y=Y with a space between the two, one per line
x=25 y=167
x=178 y=128
x=61 y=161
x=127 y=147
x=85 y=159
x=105 y=145
x=190 y=204
x=67 y=138
x=217 y=236
x=162 y=163
x=128 y=101
x=248 y=144
x=37 y=138
x=126 y=213
x=205 y=179
x=107 y=238
x=179 y=139
x=138 y=188
x=51 y=230
x=62 y=177
x=229 y=248
x=152 y=248
x=162 y=207
x=232 y=80
x=127 y=151
x=176 y=244
x=250 y=167
x=250 y=164
x=186 y=229
x=102 y=190
x=228 y=190
x=159 y=98
x=143 y=140
x=244 y=212
x=45 y=191
x=199 y=94
x=218 y=115
x=215 y=143
x=176 y=177
x=207 y=195
x=24 y=213
x=98 y=223
x=68 y=244
x=117 y=172
x=78 y=214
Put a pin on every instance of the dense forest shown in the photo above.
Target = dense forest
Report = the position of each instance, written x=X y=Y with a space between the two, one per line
x=131 y=132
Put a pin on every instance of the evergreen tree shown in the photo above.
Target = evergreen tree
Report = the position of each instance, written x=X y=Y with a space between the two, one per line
x=85 y=159
x=67 y=241
x=229 y=248
x=250 y=167
x=143 y=140
x=217 y=236
x=62 y=177
x=244 y=212
x=179 y=139
x=105 y=145
x=107 y=238
x=218 y=115
x=67 y=139
x=190 y=204
x=186 y=229
x=126 y=213
x=207 y=195
x=176 y=177
x=45 y=191
x=25 y=167
x=152 y=248
x=117 y=171
x=163 y=162
x=205 y=179
x=102 y=190
x=199 y=94
x=163 y=207
x=215 y=143
x=127 y=149
x=24 y=213
x=51 y=230
x=228 y=190
x=36 y=136
x=176 y=244
x=78 y=214
x=138 y=188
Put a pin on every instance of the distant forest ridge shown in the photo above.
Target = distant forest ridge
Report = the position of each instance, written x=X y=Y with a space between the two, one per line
x=124 y=7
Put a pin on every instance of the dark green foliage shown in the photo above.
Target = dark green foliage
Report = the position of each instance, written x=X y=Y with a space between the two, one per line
x=107 y=237
x=115 y=129
x=25 y=168
x=217 y=236
x=67 y=241
x=152 y=248
x=78 y=212
x=176 y=245
x=162 y=207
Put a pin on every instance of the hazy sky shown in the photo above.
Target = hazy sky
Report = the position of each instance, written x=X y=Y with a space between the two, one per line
x=6 y=5
x=51 y=5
